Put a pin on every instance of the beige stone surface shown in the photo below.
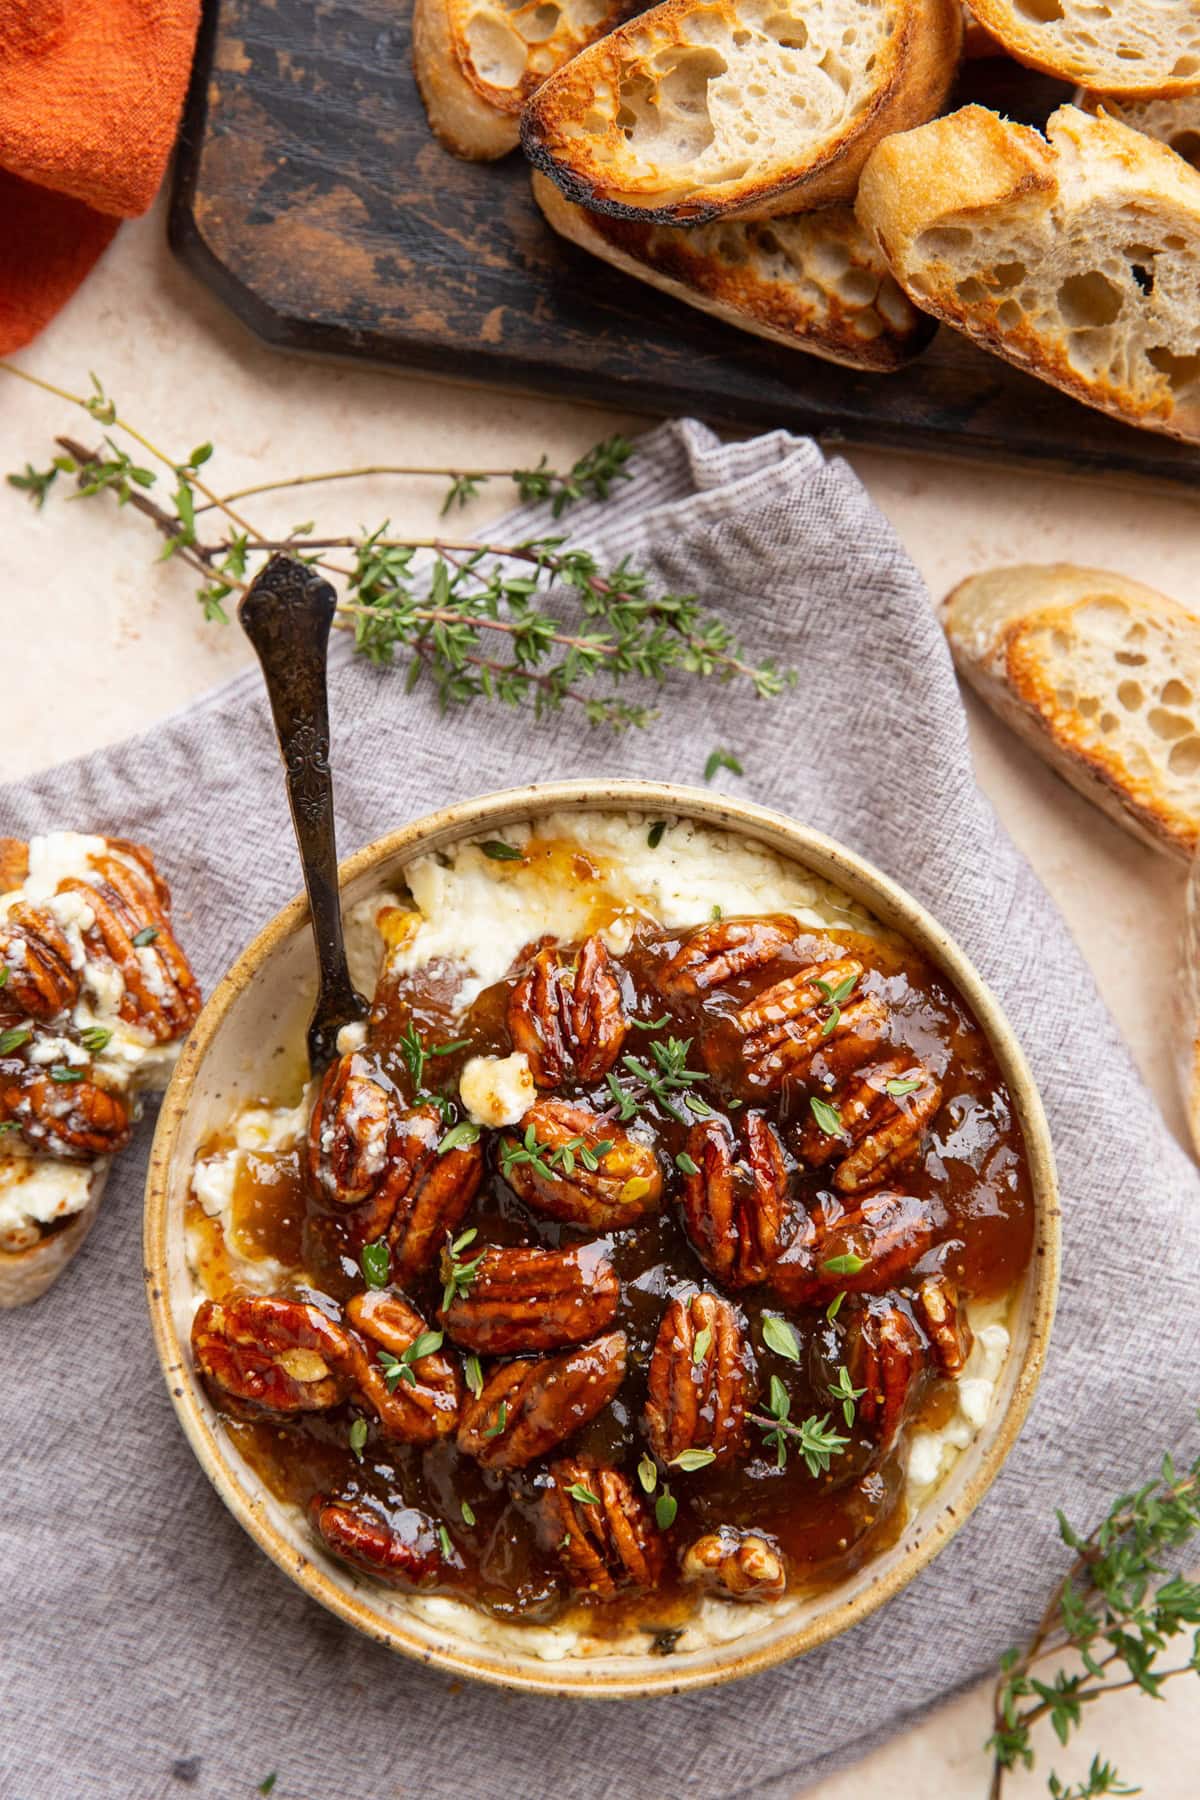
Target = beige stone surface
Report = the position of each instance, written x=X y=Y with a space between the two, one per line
x=100 y=640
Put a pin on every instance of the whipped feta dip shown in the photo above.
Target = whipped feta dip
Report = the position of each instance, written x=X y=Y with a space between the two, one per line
x=475 y=913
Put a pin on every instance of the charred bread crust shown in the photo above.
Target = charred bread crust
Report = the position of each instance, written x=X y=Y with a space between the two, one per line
x=693 y=265
x=911 y=78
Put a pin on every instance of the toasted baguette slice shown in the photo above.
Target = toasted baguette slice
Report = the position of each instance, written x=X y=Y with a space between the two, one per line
x=1102 y=676
x=1077 y=258
x=1187 y=1008
x=32 y=1259
x=702 y=109
x=976 y=41
x=1123 y=46
x=1175 y=123
x=478 y=61
x=811 y=282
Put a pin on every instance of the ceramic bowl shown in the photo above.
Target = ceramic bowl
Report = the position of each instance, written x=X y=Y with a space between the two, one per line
x=254 y=1025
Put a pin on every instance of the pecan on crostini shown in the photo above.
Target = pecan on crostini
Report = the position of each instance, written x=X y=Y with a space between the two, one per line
x=130 y=905
x=58 y=1111
x=35 y=955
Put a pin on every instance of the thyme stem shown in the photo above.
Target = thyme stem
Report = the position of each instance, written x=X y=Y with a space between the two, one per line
x=369 y=469
x=438 y=616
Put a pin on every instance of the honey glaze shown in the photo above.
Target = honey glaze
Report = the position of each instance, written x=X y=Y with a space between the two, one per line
x=486 y=1529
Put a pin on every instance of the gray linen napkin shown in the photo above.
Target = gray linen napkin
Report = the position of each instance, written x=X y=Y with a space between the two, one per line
x=148 y=1648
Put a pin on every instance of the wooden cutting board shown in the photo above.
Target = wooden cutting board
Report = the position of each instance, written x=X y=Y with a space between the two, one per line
x=311 y=197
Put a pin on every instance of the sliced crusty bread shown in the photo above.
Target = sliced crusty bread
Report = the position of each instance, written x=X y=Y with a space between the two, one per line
x=1102 y=676
x=1175 y=123
x=813 y=281
x=976 y=41
x=478 y=61
x=1187 y=1008
x=1121 y=46
x=1076 y=258
x=701 y=109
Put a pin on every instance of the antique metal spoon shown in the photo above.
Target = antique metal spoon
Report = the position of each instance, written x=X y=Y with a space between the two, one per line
x=287 y=614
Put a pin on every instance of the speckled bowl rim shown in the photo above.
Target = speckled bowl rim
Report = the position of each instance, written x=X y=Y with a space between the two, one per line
x=579 y=1677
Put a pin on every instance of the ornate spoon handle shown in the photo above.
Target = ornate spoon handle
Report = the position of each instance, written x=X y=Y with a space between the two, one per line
x=287 y=615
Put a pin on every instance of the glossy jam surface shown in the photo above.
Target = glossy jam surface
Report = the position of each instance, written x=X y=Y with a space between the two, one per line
x=970 y=1174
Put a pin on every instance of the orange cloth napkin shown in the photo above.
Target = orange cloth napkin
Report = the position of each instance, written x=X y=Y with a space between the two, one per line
x=90 y=97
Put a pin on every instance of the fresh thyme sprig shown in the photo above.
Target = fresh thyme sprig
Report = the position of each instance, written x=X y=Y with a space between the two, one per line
x=458 y=1276
x=672 y=1076
x=469 y=619
x=416 y=1054
x=816 y=1439
x=400 y=1368
x=546 y=1160
x=1117 y=1608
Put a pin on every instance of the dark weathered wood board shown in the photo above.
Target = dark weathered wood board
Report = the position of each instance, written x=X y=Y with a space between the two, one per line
x=310 y=195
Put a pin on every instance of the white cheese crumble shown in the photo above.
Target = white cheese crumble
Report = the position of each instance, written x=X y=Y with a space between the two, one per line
x=932 y=1454
x=497 y=1090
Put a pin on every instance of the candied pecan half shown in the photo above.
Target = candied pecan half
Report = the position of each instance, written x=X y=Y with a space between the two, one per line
x=945 y=1325
x=568 y=1018
x=882 y=1118
x=886 y=1362
x=281 y=1355
x=36 y=956
x=880 y=1241
x=130 y=901
x=423 y=1403
x=402 y=1548
x=699 y=1375
x=529 y=1299
x=626 y=1184
x=736 y=1564
x=365 y=1151
x=608 y=1544
x=736 y=1204
x=787 y=1025
x=75 y=1120
x=720 y=952
x=529 y=1405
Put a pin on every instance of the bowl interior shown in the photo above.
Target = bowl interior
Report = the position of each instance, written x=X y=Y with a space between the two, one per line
x=248 y=1044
